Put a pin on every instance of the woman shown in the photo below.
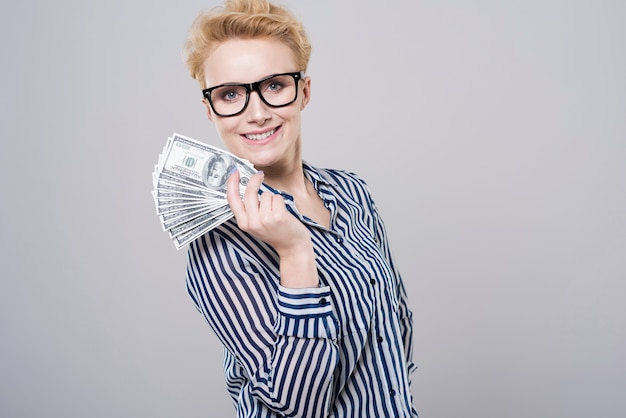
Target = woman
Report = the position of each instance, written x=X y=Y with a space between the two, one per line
x=300 y=286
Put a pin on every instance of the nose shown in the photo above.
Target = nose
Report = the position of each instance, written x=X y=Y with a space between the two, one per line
x=257 y=111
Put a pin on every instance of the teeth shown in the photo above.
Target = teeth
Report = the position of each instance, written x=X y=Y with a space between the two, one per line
x=260 y=137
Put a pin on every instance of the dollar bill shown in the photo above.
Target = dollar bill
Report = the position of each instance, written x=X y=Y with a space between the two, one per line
x=202 y=220
x=173 y=219
x=189 y=187
x=181 y=240
x=201 y=165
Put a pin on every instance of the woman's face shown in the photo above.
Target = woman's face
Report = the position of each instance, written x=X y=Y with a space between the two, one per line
x=266 y=136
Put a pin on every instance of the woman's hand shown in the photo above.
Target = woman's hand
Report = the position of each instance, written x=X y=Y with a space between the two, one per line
x=266 y=218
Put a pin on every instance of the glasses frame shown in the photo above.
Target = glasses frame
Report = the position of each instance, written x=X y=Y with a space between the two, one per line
x=250 y=87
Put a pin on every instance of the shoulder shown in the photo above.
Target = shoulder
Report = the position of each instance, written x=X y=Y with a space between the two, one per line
x=226 y=243
x=214 y=243
x=346 y=181
x=339 y=174
x=338 y=177
x=224 y=235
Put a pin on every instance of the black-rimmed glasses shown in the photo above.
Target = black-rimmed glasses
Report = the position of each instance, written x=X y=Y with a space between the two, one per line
x=276 y=90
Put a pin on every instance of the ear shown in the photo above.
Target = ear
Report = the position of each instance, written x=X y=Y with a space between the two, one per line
x=306 y=92
x=209 y=115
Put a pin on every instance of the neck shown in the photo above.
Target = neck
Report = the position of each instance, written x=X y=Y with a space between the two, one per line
x=287 y=175
x=286 y=179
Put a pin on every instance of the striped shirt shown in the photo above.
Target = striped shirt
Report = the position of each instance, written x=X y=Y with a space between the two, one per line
x=341 y=350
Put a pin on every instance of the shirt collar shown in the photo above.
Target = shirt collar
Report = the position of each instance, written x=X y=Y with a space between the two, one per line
x=316 y=176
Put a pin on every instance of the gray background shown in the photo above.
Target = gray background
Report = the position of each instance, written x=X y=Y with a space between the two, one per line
x=492 y=134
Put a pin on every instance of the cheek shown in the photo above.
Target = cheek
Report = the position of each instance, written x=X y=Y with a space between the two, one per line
x=296 y=121
x=292 y=114
x=225 y=127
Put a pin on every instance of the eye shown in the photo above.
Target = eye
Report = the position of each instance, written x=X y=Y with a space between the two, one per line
x=229 y=93
x=273 y=85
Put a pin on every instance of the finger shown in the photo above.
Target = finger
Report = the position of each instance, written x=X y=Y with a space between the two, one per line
x=265 y=206
x=252 y=189
x=279 y=208
x=251 y=197
x=233 y=197
x=278 y=203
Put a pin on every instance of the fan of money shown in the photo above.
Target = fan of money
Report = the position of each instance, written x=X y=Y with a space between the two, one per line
x=189 y=182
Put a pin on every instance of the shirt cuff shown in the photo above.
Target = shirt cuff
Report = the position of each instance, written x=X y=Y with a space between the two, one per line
x=306 y=313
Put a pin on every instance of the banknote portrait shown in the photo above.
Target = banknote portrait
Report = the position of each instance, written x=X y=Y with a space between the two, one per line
x=216 y=169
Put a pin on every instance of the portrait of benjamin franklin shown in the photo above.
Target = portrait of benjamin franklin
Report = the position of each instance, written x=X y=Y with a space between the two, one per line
x=215 y=172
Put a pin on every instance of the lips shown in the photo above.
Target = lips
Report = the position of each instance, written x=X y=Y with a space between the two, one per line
x=261 y=136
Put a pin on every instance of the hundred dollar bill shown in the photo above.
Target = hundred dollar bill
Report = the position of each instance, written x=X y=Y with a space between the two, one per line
x=195 y=163
x=178 y=206
x=207 y=219
x=189 y=187
x=163 y=195
x=173 y=219
x=167 y=181
x=169 y=187
x=185 y=238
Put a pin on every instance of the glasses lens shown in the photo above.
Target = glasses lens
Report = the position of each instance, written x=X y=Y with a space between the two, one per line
x=228 y=100
x=279 y=90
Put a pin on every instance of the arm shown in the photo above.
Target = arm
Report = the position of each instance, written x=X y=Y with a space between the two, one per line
x=271 y=313
x=282 y=337
x=267 y=218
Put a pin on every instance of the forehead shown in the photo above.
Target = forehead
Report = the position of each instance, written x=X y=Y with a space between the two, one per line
x=247 y=60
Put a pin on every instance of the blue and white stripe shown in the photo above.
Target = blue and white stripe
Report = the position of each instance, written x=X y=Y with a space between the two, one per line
x=341 y=350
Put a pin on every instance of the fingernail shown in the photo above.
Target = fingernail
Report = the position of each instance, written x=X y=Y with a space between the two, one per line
x=232 y=170
x=261 y=172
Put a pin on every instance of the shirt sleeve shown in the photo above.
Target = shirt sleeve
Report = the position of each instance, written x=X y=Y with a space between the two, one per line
x=305 y=313
x=283 y=338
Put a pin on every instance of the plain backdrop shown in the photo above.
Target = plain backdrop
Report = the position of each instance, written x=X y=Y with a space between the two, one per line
x=492 y=134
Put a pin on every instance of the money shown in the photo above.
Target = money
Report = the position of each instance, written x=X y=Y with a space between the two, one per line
x=189 y=183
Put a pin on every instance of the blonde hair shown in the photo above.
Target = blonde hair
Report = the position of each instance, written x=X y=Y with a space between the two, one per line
x=243 y=19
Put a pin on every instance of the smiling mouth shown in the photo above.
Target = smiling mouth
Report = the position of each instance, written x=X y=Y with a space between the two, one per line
x=260 y=137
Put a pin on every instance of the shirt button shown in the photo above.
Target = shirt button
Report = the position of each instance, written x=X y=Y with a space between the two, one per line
x=323 y=301
x=379 y=339
x=339 y=240
x=373 y=280
x=392 y=392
